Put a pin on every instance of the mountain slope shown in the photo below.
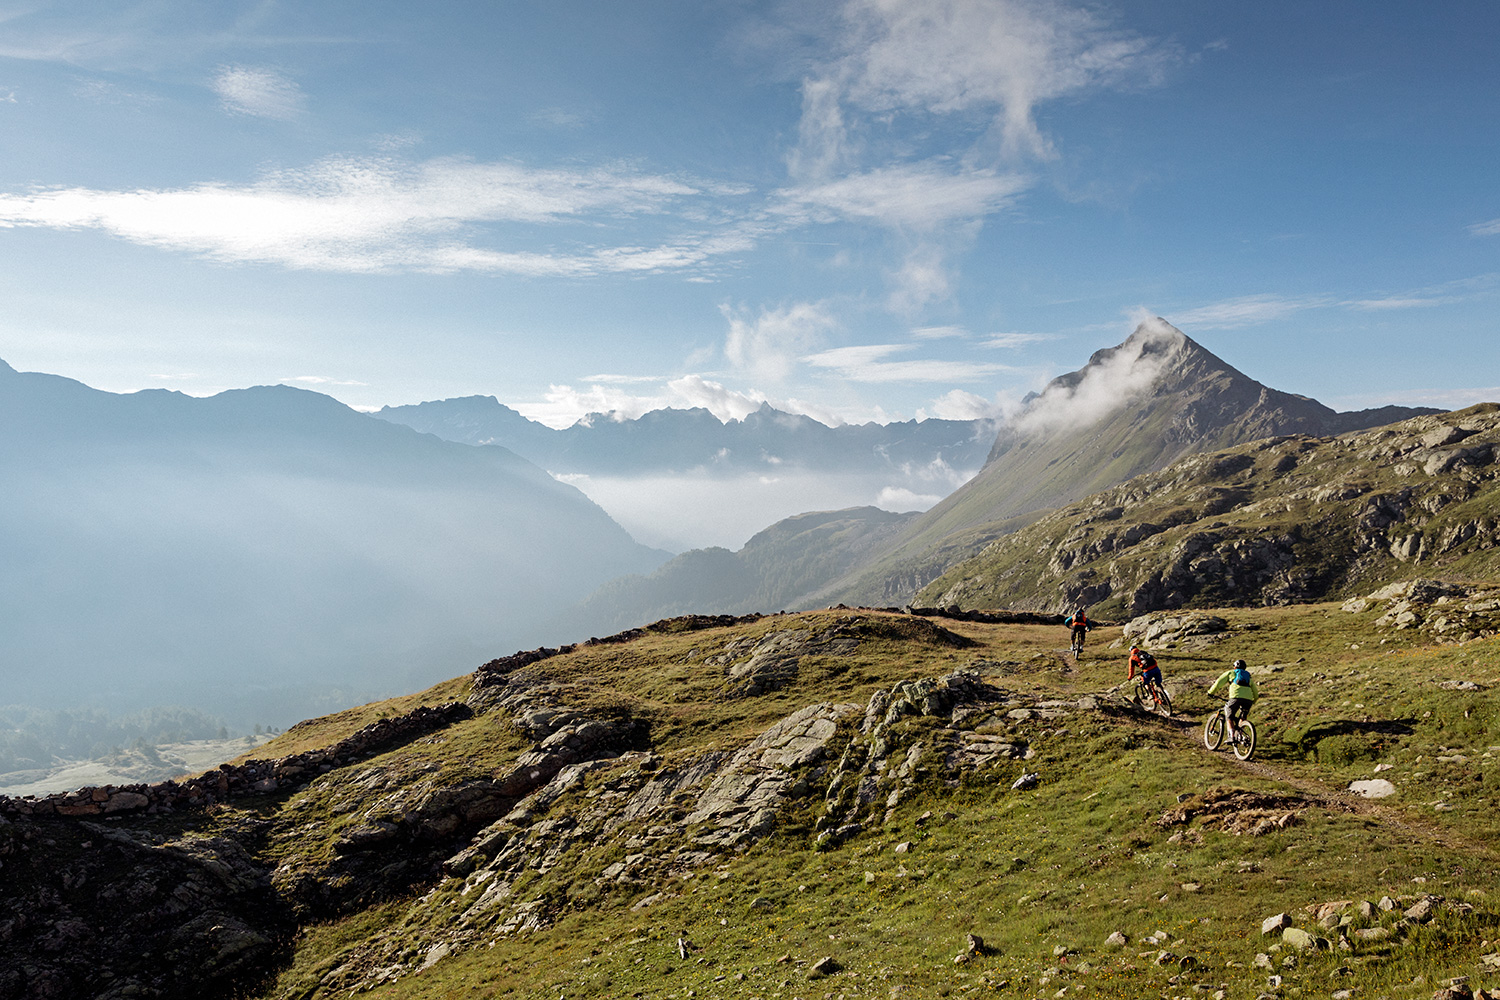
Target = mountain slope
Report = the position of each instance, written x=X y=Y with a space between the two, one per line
x=1283 y=519
x=777 y=568
x=243 y=551
x=834 y=803
x=1154 y=399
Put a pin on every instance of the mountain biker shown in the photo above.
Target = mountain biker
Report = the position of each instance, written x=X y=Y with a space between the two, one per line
x=1242 y=694
x=1079 y=623
x=1150 y=670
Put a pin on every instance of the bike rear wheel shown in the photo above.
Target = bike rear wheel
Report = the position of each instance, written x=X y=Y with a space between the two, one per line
x=1163 y=700
x=1213 y=731
x=1245 y=745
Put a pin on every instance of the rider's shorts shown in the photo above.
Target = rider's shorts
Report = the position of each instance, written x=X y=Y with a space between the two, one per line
x=1239 y=708
x=1152 y=675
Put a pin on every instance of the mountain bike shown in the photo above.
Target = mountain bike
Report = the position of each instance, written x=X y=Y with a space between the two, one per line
x=1077 y=643
x=1153 y=692
x=1243 y=744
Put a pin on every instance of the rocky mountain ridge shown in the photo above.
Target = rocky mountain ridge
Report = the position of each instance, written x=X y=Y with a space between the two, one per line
x=1150 y=401
x=1285 y=519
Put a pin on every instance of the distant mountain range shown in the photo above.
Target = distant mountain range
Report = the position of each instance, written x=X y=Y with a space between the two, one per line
x=674 y=440
x=1134 y=408
x=259 y=550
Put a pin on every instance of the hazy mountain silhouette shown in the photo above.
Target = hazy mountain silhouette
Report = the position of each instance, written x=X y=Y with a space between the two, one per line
x=695 y=440
x=221 y=552
x=777 y=568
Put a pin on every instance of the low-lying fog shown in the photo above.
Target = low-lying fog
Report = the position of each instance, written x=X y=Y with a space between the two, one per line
x=681 y=512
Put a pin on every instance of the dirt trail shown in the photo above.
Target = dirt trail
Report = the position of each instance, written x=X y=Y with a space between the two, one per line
x=1332 y=798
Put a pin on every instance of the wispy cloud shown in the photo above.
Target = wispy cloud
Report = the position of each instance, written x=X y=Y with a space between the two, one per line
x=178 y=377
x=768 y=344
x=914 y=195
x=1490 y=228
x=1107 y=386
x=869 y=363
x=993 y=62
x=940 y=333
x=259 y=92
x=369 y=215
x=1244 y=311
x=1011 y=341
x=321 y=380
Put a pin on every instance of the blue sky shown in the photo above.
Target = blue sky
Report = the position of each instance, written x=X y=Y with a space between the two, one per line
x=867 y=210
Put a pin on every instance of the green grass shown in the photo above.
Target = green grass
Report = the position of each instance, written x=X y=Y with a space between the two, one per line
x=1087 y=853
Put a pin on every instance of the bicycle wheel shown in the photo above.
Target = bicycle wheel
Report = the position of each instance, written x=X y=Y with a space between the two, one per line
x=1163 y=700
x=1245 y=745
x=1213 y=731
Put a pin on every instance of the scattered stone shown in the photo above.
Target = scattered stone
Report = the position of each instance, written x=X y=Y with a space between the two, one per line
x=825 y=966
x=1373 y=788
x=1117 y=940
x=1025 y=782
x=1271 y=925
x=1296 y=937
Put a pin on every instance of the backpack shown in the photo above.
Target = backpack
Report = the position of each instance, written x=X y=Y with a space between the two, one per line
x=1242 y=676
x=1147 y=661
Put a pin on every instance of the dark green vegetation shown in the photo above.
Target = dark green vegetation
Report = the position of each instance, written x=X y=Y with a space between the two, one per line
x=1279 y=520
x=374 y=881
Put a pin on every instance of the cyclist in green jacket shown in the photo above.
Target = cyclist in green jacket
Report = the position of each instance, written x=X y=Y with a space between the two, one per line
x=1242 y=694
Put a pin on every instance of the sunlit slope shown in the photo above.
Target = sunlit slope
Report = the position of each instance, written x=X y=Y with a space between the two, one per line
x=720 y=808
x=1135 y=408
x=1281 y=520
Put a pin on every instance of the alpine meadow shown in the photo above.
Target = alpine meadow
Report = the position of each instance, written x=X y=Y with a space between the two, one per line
x=871 y=500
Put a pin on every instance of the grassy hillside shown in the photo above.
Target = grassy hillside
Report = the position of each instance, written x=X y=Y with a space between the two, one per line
x=1283 y=519
x=656 y=864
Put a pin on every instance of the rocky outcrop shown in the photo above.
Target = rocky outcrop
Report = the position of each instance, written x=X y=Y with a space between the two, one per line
x=1437 y=609
x=1284 y=520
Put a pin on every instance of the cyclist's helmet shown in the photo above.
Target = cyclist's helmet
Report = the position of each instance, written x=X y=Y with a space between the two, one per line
x=1239 y=664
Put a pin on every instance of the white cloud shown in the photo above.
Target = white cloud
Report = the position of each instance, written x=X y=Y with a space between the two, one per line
x=769 y=345
x=726 y=404
x=867 y=363
x=1010 y=341
x=259 y=92
x=1244 y=311
x=900 y=499
x=957 y=404
x=940 y=333
x=1490 y=228
x=911 y=195
x=182 y=376
x=1107 y=386
x=322 y=380
x=995 y=60
x=372 y=215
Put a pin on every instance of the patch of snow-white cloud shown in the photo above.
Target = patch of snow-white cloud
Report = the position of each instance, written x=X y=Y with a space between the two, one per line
x=1011 y=341
x=916 y=196
x=957 y=404
x=1490 y=228
x=1103 y=388
x=899 y=499
x=768 y=344
x=259 y=92
x=940 y=333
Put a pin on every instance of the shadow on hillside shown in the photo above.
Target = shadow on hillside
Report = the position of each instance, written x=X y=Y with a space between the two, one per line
x=1338 y=741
